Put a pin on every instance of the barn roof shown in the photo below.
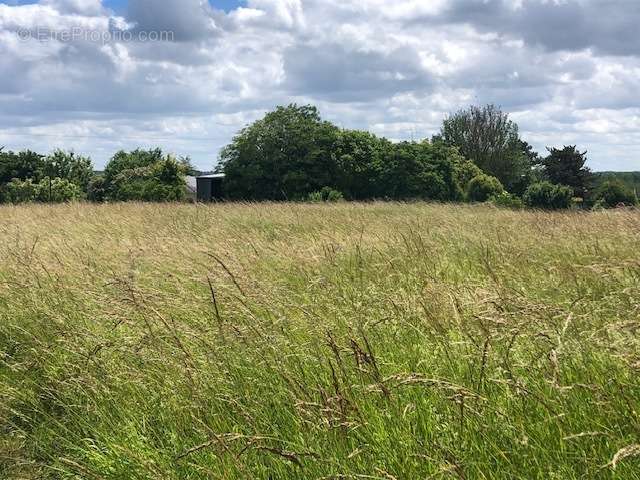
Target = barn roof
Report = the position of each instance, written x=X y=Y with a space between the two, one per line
x=215 y=175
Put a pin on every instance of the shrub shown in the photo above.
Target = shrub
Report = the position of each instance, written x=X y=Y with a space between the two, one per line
x=58 y=190
x=482 y=187
x=327 y=194
x=96 y=191
x=612 y=194
x=465 y=172
x=142 y=176
x=507 y=200
x=548 y=196
x=18 y=191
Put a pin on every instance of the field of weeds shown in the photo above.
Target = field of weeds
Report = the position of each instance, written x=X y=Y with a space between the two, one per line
x=380 y=341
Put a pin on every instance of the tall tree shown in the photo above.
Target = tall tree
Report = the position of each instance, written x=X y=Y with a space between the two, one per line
x=567 y=166
x=286 y=155
x=486 y=136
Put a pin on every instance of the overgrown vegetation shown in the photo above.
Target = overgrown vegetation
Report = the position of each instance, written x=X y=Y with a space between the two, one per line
x=27 y=177
x=339 y=341
x=478 y=155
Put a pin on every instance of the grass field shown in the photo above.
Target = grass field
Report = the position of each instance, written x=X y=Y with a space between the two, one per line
x=349 y=341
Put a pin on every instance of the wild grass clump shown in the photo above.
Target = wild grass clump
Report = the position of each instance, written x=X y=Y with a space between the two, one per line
x=333 y=341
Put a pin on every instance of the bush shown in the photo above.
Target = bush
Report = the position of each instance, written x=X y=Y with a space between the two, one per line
x=18 y=191
x=465 y=172
x=96 y=191
x=548 y=196
x=58 y=190
x=327 y=194
x=507 y=200
x=142 y=176
x=482 y=187
x=612 y=194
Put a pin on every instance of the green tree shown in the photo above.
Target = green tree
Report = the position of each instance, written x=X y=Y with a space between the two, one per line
x=22 y=165
x=97 y=189
x=141 y=175
x=359 y=163
x=486 y=136
x=614 y=193
x=420 y=170
x=122 y=161
x=74 y=168
x=286 y=155
x=567 y=166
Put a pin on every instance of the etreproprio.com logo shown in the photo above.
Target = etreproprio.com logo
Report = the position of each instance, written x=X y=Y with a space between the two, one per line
x=79 y=34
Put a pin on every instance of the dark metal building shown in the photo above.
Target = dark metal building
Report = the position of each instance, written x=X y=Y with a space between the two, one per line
x=210 y=187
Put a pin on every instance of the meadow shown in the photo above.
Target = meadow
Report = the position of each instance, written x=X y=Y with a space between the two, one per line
x=291 y=341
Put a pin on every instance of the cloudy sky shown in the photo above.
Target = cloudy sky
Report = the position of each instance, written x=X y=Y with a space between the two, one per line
x=83 y=74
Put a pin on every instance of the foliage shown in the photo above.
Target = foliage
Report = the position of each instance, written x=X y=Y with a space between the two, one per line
x=285 y=155
x=420 y=170
x=21 y=191
x=614 y=193
x=142 y=175
x=327 y=194
x=566 y=166
x=507 y=200
x=483 y=187
x=97 y=189
x=24 y=176
x=59 y=190
x=486 y=136
x=360 y=160
x=56 y=190
x=123 y=161
x=465 y=172
x=548 y=196
x=630 y=179
x=22 y=166
x=74 y=168
x=292 y=153
x=287 y=341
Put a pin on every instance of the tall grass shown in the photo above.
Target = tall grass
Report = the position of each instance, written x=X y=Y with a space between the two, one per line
x=381 y=341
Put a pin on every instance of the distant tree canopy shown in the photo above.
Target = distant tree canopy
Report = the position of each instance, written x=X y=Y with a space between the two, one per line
x=69 y=166
x=21 y=166
x=286 y=155
x=567 y=166
x=613 y=193
x=292 y=153
x=142 y=175
x=487 y=137
x=29 y=177
x=145 y=175
x=631 y=180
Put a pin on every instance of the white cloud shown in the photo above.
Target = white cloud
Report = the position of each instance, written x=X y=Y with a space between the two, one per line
x=395 y=68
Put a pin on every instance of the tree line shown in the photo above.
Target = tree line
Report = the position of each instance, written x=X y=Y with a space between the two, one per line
x=293 y=154
x=478 y=156
x=141 y=175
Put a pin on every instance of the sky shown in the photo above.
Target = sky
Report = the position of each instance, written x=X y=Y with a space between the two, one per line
x=98 y=76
